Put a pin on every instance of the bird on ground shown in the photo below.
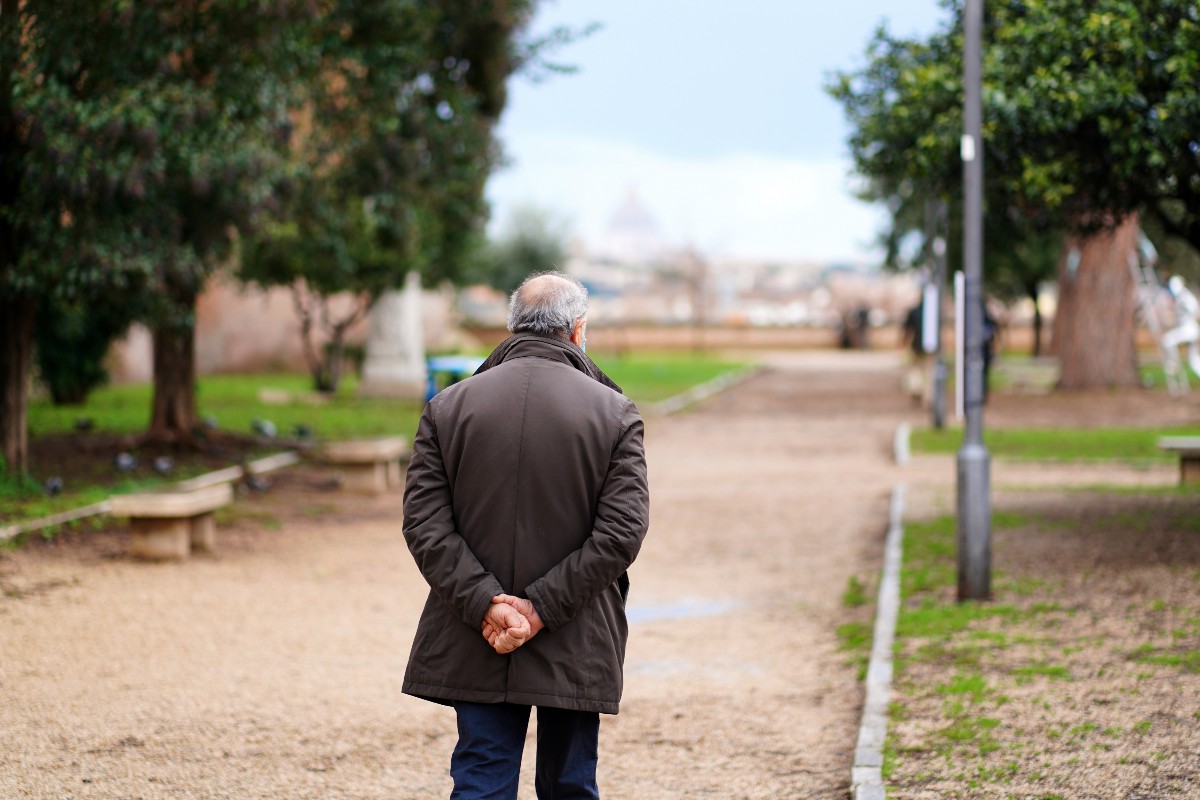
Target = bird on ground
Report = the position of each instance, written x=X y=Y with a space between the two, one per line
x=264 y=427
x=163 y=465
x=125 y=462
x=53 y=486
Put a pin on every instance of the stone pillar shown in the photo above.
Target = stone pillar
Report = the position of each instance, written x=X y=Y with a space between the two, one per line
x=395 y=358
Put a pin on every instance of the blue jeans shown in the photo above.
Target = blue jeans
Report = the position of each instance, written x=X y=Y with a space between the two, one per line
x=486 y=764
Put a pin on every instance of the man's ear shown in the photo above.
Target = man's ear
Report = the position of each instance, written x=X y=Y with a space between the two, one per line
x=577 y=331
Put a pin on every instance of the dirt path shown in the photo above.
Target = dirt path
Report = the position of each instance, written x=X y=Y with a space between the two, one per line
x=273 y=668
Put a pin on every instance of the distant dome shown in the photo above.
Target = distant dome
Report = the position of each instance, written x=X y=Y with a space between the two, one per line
x=632 y=234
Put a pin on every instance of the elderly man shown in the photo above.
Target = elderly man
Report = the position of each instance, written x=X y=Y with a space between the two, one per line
x=525 y=503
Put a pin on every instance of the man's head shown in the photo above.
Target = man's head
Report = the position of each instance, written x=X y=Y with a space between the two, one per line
x=549 y=304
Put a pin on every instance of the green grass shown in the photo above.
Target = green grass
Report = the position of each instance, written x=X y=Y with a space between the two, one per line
x=855 y=594
x=1059 y=444
x=234 y=401
x=1184 y=660
x=650 y=377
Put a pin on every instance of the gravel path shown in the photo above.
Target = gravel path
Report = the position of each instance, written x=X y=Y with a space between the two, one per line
x=273 y=668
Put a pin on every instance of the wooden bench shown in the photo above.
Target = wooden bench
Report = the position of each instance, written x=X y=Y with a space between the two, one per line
x=1188 y=448
x=171 y=524
x=367 y=465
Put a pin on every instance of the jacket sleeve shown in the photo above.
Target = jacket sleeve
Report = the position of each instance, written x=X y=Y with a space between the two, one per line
x=622 y=517
x=443 y=556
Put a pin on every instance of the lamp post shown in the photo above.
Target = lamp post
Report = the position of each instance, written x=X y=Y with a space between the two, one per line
x=935 y=215
x=974 y=485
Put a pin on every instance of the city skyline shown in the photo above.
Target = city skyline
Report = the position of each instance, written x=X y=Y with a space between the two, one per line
x=717 y=120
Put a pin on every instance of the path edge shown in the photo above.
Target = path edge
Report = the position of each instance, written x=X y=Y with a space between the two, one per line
x=703 y=391
x=866 y=776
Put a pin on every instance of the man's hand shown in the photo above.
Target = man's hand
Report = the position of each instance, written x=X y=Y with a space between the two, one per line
x=505 y=628
x=525 y=608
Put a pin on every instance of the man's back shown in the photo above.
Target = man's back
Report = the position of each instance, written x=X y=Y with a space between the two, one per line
x=526 y=447
x=527 y=479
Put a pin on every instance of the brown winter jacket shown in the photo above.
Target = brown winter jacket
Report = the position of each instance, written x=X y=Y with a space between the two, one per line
x=529 y=478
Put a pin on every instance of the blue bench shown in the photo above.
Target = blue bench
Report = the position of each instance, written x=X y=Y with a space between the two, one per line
x=447 y=370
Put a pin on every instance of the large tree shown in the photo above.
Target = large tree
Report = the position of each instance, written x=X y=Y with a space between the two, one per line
x=391 y=152
x=137 y=137
x=1090 y=117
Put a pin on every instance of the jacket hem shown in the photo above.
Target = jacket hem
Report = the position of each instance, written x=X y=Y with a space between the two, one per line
x=448 y=695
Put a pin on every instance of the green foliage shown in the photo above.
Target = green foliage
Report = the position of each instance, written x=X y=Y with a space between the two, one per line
x=72 y=339
x=139 y=138
x=145 y=134
x=1090 y=114
x=533 y=240
x=389 y=156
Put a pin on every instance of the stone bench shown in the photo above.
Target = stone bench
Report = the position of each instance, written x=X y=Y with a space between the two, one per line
x=367 y=465
x=234 y=474
x=170 y=524
x=1188 y=448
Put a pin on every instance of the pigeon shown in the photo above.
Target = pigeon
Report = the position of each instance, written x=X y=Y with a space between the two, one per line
x=163 y=465
x=209 y=422
x=257 y=483
x=125 y=462
x=84 y=424
x=264 y=427
x=302 y=431
x=53 y=486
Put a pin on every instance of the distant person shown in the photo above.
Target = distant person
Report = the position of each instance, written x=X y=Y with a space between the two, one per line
x=525 y=503
x=991 y=331
x=855 y=327
x=916 y=379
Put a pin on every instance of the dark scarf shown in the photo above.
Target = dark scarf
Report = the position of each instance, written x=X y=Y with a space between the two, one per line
x=552 y=347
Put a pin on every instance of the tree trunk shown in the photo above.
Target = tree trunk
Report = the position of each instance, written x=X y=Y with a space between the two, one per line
x=16 y=352
x=16 y=312
x=1094 y=327
x=174 y=384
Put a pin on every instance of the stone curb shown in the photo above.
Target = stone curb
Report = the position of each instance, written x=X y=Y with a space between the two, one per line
x=901 y=444
x=866 y=776
x=703 y=391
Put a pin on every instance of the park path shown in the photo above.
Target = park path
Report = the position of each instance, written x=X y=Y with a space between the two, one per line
x=273 y=669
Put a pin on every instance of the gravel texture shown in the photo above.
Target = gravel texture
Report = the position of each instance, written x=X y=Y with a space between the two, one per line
x=273 y=668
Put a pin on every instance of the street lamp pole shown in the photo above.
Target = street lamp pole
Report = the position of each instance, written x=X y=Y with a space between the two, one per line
x=974 y=485
x=935 y=215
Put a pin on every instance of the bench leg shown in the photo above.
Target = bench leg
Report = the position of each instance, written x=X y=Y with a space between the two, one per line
x=1189 y=470
x=393 y=472
x=203 y=533
x=156 y=539
x=368 y=478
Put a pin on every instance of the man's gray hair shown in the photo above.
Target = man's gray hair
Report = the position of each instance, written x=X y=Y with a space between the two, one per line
x=547 y=303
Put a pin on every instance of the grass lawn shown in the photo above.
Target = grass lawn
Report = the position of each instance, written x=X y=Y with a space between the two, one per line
x=1059 y=444
x=234 y=402
x=1081 y=678
x=84 y=460
x=651 y=377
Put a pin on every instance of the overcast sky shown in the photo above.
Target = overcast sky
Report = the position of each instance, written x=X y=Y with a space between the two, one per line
x=712 y=111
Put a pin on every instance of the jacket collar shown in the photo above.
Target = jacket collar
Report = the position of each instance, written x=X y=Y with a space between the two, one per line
x=555 y=348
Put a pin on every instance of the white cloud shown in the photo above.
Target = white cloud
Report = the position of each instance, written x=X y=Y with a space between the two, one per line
x=741 y=205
